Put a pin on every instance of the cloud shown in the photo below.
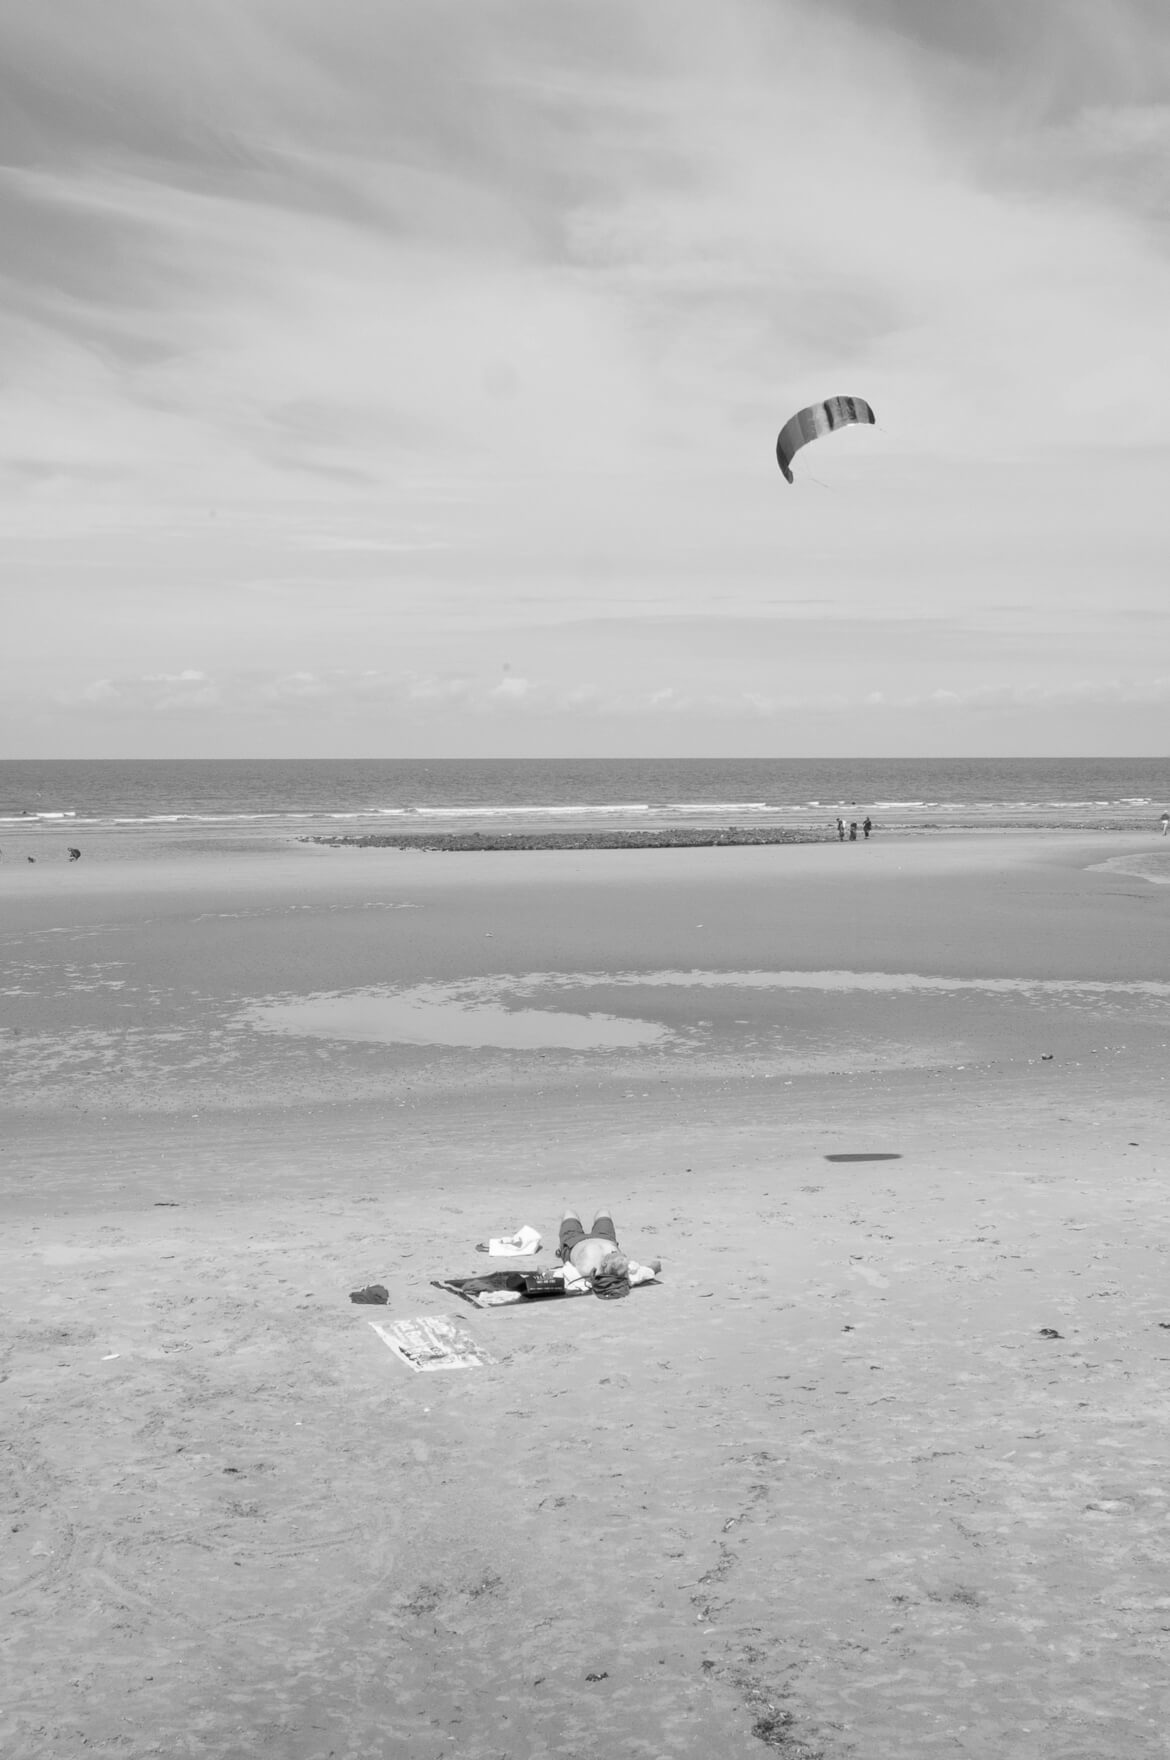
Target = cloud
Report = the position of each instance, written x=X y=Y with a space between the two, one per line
x=294 y=687
x=155 y=692
x=511 y=690
x=1085 y=693
x=336 y=541
x=437 y=690
x=335 y=712
x=488 y=317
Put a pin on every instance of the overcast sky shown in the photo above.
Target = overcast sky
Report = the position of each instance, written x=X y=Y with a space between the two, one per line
x=403 y=379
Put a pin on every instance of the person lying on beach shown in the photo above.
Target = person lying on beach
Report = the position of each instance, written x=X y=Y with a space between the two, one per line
x=597 y=1256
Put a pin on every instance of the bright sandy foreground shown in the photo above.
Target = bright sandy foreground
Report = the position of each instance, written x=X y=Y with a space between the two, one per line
x=852 y=1499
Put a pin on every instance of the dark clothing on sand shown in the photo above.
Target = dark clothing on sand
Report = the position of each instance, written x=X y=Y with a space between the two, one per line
x=573 y=1231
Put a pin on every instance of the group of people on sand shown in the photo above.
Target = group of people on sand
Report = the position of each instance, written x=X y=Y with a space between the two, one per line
x=867 y=827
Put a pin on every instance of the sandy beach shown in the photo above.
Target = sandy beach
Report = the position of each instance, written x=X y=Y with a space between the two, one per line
x=875 y=1470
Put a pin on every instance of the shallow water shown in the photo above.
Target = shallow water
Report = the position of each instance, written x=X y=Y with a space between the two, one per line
x=420 y=1018
x=905 y=982
x=498 y=1011
x=1152 y=865
x=44 y=801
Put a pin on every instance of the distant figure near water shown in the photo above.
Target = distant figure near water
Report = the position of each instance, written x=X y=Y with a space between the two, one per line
x=868 y=826
x=74 y=855
x=840 y=830
x=1165 y=823
x=853 y=830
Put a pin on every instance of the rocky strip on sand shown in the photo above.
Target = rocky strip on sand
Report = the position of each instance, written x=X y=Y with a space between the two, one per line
x=672 y=838
x=692 y=837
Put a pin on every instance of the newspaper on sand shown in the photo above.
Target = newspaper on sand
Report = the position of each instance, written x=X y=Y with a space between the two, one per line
x=433 y=1341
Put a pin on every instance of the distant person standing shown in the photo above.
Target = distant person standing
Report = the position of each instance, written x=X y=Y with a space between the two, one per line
x=868 y=826
x=853 y=830
x=1165 y=823
x=840 y=830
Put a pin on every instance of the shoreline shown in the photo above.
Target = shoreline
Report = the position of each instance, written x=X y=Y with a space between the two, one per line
x=306 y=977
x=46 y=844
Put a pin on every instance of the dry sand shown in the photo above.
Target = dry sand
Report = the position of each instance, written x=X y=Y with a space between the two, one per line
x=827 y=1489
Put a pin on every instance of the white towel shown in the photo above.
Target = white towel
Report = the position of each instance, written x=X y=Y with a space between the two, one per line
x=514 y=1246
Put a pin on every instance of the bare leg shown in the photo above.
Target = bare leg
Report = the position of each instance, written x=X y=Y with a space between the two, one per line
x=571 y=1231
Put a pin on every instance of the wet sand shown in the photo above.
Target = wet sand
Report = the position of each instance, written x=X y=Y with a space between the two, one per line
x=855 y=1501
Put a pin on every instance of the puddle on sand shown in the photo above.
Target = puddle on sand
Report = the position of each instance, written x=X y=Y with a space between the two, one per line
x=1151 y=865
x=504 y=1011
x=415 y=1020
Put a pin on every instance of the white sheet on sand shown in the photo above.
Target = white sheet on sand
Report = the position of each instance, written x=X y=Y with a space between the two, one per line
x=433 y=1341
x=513 y=1246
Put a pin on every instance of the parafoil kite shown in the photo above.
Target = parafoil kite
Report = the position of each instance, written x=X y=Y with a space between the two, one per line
x=819 y=418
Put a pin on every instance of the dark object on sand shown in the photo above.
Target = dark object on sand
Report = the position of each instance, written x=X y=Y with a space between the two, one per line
x=525 y=1283
x=74 y=855
x=865 y=1156
x=1050 y=1332
x=373 y=1292
x=543 y=1283
x=671 y=837
x=603 y=1676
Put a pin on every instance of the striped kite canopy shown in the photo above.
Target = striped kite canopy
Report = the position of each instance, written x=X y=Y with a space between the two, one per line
x=819 y=418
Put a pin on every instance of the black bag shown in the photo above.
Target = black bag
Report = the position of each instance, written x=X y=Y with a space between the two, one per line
x=543 y=1283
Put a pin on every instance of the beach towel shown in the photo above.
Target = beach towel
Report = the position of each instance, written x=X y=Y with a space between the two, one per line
x=433 y=1341
x=499 y=1289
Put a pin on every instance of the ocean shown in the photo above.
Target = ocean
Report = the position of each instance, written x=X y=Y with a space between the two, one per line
x=281 y=796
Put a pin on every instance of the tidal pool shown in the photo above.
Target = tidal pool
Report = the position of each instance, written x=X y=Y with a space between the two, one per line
x=415 y=1018
x=518 y=1012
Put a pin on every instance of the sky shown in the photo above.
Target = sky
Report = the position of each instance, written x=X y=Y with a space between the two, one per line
x=401 y=378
